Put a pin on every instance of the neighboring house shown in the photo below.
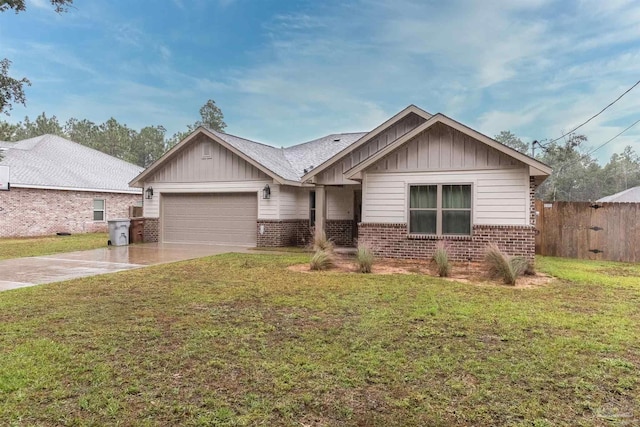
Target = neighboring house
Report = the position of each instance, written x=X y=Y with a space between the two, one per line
x=630 y=195
x=413 y=181
x=58 y=185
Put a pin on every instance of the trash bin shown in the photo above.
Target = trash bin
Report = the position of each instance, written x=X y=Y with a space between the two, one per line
x=136 y=231
x=119 y=232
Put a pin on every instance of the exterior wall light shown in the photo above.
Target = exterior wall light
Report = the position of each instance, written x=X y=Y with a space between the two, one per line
x=149 y=193
x=266 y=192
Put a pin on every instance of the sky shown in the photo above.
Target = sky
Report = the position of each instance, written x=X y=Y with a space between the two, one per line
x=285 y=72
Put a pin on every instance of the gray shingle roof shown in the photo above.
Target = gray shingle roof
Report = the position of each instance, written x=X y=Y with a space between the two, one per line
x=290 y=162
x=52 y=161
x=631 y=195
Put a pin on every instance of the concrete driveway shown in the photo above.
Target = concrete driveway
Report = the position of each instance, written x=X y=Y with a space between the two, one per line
x=22 y=272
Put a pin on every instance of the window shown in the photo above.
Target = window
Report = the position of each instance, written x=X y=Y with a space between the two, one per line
x=312 y=208
x=440 y=209
x=98 y=209
x=207 y=148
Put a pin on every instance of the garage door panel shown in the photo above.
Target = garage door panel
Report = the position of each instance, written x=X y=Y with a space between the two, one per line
x=228 y=218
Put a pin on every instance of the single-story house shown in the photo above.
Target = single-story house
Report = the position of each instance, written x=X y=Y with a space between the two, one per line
x=414 y=180
x=59 y=186
x=630 y=195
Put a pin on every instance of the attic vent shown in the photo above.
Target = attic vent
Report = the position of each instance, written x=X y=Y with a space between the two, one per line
x=336 y=139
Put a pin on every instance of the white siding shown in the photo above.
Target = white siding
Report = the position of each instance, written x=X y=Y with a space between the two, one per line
x=340 y=202
x=290 y=202
x=500 y=197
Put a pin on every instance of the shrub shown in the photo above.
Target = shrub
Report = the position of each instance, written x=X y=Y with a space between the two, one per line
x=321 y=243
x=503 y=266
x=364 y=259
x=441 y=258
x=321 y=260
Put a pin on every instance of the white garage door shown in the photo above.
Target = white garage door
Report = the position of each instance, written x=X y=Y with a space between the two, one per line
x=220 y=218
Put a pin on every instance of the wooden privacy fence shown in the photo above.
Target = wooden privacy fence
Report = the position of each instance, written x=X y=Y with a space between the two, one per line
x=589 y=230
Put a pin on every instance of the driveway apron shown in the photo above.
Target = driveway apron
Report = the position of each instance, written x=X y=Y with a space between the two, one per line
x=22 y=272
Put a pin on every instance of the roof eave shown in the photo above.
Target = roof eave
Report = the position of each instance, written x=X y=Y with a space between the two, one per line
x=134 y=191
x=536 y=168
x=365 y=138
x=139 y=180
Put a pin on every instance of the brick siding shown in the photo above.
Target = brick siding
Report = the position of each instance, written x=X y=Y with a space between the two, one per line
x=279 y=233
x=151 y=230
x=38 y=212
x=392 y=241
x=340 y=231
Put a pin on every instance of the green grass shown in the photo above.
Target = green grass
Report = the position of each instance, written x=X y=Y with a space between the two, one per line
x=47 y=245
x=241 y=340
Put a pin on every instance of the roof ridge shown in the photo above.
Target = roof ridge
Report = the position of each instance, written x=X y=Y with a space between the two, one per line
x=244 y=139
x=322 y=137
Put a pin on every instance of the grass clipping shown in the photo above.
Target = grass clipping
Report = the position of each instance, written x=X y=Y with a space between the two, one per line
x=503 y=266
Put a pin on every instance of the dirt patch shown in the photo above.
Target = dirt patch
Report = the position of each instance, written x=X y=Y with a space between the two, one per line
x=474 y=273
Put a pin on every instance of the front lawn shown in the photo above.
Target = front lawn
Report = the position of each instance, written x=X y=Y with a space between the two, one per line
x=47 y=245
x=241 y=340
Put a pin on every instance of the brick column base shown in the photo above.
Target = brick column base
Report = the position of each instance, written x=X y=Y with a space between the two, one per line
x=280 y=233
x=151 y=230
x=393 y=241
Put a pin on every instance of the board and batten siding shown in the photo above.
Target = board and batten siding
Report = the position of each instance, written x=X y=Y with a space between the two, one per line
x=500 y=196
x=204 y=160
x=334 y=174
x=442 y=148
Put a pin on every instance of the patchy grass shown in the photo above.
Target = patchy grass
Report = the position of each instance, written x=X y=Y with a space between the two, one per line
x=241 y=340
x=47 y=245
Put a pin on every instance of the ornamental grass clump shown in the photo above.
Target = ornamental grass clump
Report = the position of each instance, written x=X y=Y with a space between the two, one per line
x=441 y=258
x=321 y=260
x=364 y=259
x=321 y=243
x=508 y=268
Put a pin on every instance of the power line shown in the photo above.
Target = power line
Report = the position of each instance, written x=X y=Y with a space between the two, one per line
x=602 y=145
x=595 y=115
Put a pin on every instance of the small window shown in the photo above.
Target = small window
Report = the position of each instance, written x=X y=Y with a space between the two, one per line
x=98 y=209
x=312 y=208
x=207 y=148
x=440 y=209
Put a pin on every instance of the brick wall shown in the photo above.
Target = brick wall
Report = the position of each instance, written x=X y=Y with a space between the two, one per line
x=151 y=230
x=392 y=241
x=340 y=231
x=279 y=233
x=37 y=212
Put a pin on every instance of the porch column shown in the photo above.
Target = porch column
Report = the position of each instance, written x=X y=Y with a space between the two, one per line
x=321 y=203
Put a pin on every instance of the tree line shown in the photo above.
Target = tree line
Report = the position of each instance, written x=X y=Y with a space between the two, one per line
x=577 y=175
x=141 y=147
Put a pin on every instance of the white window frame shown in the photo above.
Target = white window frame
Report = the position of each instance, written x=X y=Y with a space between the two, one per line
x=439 y=209
x=103 y=210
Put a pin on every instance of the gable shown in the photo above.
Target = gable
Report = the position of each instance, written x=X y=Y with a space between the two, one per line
x=441 y=147
x=204 y=160
x=334 y=174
